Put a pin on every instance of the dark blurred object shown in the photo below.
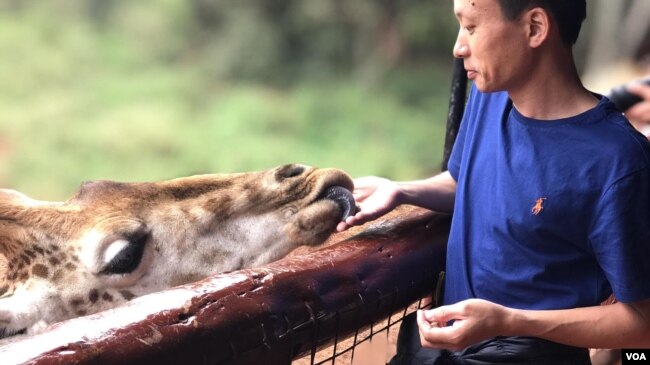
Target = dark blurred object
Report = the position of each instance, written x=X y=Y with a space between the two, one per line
x=456 y=110
x=622 y=98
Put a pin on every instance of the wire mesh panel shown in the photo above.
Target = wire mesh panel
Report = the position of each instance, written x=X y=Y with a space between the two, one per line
x=350 y=350
x=268 y=315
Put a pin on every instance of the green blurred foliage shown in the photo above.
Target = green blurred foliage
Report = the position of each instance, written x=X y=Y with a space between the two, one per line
x=156 y=89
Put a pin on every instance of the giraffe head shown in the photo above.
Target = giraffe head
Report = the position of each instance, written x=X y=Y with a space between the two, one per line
x=114 y=241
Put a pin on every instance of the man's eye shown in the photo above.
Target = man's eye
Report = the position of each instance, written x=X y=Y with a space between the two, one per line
x=470 y=29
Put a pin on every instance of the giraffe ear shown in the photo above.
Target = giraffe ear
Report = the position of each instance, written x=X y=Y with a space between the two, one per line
x=12 y=196
x=3 y=272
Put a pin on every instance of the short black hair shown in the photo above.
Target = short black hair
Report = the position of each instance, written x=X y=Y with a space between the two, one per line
x=569 y=14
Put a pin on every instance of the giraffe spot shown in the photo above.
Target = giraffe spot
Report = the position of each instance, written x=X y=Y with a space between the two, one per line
x=76 y=302
x=127 y=294
x=93 y=296
x=107 y=297
x=70 y=266
x=54 y=261
x=3 y=289
x=40 y=270
x=58 y=275
x=30 y=253
x=53 y=248
x=26 y=259
x=23 y=276
x=39 y=250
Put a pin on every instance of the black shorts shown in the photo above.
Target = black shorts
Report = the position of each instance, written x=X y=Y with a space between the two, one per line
x=499 y=350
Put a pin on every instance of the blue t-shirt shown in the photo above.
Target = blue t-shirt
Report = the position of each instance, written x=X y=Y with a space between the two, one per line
x=548 y=214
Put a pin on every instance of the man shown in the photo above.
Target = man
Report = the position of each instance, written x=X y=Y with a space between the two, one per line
x=549 y=187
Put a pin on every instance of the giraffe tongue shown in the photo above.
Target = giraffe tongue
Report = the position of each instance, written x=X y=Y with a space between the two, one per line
x=343 y=197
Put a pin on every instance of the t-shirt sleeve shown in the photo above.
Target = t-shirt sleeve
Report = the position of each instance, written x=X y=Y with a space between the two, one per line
x=620 y=236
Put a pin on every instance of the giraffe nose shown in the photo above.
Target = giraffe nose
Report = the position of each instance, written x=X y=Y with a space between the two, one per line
x=289 y=171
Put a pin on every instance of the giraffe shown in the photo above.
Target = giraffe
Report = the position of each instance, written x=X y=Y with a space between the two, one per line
x=114 y=241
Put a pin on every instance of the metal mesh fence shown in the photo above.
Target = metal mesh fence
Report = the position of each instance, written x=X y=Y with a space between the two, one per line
x=342 y=351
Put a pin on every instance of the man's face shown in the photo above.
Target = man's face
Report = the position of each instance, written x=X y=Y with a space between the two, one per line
x=494 y=49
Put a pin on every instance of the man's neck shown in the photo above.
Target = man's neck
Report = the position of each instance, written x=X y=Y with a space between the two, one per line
x=553 y=90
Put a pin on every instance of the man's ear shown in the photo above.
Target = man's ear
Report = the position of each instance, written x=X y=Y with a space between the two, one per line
x=539 y=26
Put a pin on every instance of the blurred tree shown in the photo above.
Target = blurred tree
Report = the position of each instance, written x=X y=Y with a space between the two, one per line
x=287 y=39
x=100 y=11
x=619 y=42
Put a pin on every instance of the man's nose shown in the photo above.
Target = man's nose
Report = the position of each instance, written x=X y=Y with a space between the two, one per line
x=461 y=50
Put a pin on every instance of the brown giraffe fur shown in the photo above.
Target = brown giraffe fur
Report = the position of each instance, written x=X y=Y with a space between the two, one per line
x=67 y=259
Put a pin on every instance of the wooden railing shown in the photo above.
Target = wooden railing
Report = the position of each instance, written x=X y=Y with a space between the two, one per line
x=267 y=315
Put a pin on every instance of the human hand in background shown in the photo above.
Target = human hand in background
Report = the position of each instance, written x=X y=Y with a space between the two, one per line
x=639 y=113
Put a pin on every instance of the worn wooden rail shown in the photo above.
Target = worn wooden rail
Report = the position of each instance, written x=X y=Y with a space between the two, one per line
x=267 y=315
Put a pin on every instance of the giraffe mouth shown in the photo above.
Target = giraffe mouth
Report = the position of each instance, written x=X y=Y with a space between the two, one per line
x=6 y=333
x=343 y=197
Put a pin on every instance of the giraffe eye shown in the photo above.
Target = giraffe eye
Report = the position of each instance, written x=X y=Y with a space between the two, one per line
x=123 y=255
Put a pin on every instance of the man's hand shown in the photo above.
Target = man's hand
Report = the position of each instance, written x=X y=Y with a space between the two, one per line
x=474 y=320
x=618 y=325
x=375 y=196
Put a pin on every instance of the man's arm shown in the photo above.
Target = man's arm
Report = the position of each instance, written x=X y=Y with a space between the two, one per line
x=617 y=325
x=377 y=196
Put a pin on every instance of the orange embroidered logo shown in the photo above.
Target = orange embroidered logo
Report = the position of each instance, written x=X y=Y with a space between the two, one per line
x=539 y=206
